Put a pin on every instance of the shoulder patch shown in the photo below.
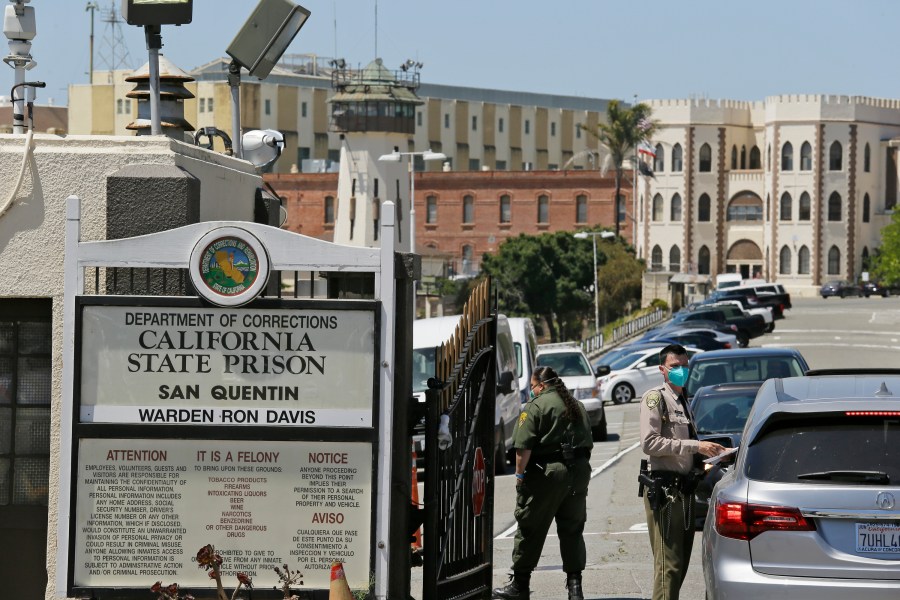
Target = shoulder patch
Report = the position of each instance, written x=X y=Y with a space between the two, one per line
x=522 y=417
x=653 y=398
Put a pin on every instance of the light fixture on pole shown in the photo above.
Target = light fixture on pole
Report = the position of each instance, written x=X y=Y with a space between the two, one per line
x=583 y=235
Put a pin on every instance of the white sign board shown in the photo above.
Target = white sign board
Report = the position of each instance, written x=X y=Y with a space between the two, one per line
x=145 y=507
x=221 y=366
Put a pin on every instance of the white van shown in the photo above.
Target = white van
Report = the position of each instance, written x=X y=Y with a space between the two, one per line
x=728 y=280
x=525 y=342
x=430 y=333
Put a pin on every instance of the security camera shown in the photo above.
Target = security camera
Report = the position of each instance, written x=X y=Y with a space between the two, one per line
x=262 y=147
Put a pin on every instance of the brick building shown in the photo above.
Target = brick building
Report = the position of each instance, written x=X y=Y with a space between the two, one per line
x=462 y=215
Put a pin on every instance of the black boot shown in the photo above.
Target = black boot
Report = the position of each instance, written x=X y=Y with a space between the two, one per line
x=573 y=583
x=516 y=589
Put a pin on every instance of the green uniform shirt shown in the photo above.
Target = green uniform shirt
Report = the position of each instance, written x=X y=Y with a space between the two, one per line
x=543 y=426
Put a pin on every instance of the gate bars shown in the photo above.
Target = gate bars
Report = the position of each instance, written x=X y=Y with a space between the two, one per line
x=458 y=545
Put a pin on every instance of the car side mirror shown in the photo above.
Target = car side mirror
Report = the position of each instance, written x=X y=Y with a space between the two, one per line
x=602 y=370
x=505 y=384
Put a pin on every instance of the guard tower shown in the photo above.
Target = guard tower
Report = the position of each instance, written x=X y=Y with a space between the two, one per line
x=374 y=109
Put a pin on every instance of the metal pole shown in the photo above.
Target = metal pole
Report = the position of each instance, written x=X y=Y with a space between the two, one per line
x=596 y=289
x=91 y=6
x=412 y=223
x=234 y=82
x=18 y=99
x=154 y=43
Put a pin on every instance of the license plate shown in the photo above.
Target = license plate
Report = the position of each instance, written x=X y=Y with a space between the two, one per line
x=878 y=537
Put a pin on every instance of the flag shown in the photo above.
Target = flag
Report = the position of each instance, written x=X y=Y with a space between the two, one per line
x=645 y=170
x=645 y=148
x=644 y=124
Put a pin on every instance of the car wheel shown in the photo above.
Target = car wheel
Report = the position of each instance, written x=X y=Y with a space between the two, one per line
x=843 y=294
x=771 y=327
x=622 y=394
x=743 y=339
x=599 y=432
x=886 y=294
x=500 y=466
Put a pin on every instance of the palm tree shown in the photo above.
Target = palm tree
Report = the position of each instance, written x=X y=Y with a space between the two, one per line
x=619 y=137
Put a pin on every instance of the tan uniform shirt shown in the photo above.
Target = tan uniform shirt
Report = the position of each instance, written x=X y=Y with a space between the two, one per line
x=667 y=441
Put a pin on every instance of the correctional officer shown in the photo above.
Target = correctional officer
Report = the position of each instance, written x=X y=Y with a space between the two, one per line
x=669 y=439
x=553 y=447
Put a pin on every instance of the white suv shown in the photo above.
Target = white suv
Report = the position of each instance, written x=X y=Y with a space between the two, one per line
x=573 y=367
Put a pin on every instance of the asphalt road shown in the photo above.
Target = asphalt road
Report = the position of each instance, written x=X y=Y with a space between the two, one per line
x=833 y=333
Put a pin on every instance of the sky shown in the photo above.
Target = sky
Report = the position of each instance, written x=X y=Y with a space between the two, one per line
x=593 y=48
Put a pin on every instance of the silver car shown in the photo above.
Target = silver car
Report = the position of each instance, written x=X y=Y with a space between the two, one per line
x=811 y=508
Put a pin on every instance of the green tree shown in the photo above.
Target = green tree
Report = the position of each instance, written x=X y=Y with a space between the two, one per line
x=618 y=280
x=547 y=276
x=886 y=260
x=619 y=137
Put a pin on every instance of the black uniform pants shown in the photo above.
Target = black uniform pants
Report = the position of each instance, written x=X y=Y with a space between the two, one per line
x=556 y=492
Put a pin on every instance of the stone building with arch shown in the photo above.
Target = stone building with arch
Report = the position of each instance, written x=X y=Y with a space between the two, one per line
x=794 y=189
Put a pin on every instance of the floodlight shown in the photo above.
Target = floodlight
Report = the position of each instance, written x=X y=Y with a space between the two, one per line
x=157 y=12
x=266 y=35
x=392 y=157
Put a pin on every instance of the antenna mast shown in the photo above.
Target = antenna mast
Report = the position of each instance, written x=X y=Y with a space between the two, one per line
x=116 y=54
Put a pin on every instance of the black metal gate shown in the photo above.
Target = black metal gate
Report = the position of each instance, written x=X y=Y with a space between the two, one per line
x=457 y=540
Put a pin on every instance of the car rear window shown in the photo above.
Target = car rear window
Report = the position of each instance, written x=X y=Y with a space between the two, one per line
x=804 y=450
x=566 y=364
x=741 y=368
x=723 y=412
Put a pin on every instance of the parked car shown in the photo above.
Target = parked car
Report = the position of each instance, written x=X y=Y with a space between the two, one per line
x=748 y=327
x=876 y=288
x=766 y=289
x=840 y=287
x=430 y=333
x=720 y=333
x=631 y=375
x=573 y=367
x=720 y=412
x=810 y=508
x=752 y=364
x=698 y=338
x=764 y=311
x=750 y=299
x=525 y=344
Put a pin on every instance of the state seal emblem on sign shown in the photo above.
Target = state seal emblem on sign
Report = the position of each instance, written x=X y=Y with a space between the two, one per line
x=229 y=266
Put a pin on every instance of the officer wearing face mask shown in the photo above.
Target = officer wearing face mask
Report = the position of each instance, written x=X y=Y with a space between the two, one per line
x=669 y=439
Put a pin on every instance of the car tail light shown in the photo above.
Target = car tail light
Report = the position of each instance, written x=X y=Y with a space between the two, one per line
x=742 y=521
x=873 y=413
x=727 y=345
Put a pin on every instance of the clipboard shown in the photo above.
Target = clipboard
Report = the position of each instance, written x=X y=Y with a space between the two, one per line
x=720 y=457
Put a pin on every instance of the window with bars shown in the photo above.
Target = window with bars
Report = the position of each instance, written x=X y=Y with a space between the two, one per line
x=25 y=383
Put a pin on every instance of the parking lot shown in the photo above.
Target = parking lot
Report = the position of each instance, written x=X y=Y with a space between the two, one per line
x=833 y=333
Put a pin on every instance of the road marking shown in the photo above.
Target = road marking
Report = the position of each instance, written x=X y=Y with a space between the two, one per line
x=636 y=528
x=512 y=529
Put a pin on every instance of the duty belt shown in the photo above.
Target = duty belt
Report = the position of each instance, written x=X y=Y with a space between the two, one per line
x=557 y=456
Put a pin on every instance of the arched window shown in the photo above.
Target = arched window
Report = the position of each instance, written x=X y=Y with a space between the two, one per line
x=805 y=213
x=506 y=209
x=784 y=261
x=769 y=156
x=754 y=158
x=734 y=163
x=659 y=162
x=431 y=209
x=703 y=261
x=329 y=210
x=743 y=157
x=834 y=261
x=656 y=260
x=867 y=158
x=787 y=207
x=468 y=209
x=675 y=259
x=677 y=160
x=768 y=208
x=865 y=258
x=806 y=157
x=745 y=207
x=835 y=154
x=834 y=207
x=675 y=209
x=866 y=207
x=787 y=157
x=543 y=209
x=703 y=208
x=803 y=261
x=581 y=205
x=705 y=158
x=657 y=208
